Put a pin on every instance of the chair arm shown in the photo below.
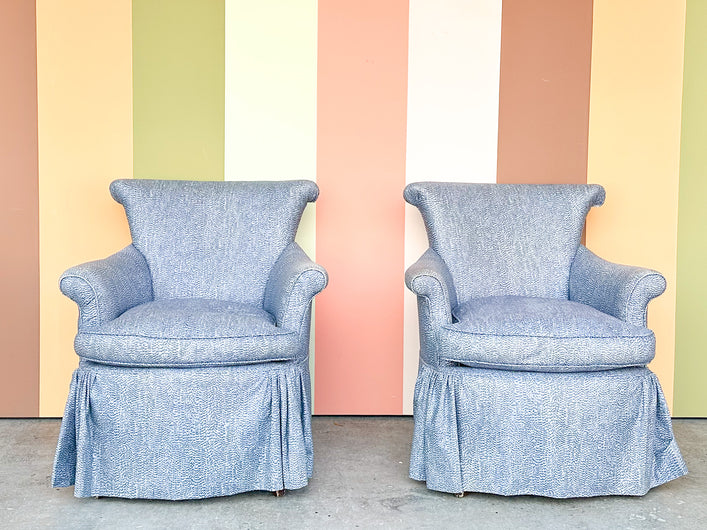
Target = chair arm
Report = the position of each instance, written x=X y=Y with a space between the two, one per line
x=429 y=277
x=106 y=288
x=619 y=290
x=294 y=280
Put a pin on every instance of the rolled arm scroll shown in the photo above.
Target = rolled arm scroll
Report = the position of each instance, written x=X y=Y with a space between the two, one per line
x=429 y=277
x=106 y=288
x=293 y=282
x=619 y=290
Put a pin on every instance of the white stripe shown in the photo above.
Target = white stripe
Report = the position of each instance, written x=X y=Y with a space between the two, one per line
x=454 y=62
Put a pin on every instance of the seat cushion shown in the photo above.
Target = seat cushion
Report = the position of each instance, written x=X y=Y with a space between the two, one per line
x=542 y=334
x=188 y=332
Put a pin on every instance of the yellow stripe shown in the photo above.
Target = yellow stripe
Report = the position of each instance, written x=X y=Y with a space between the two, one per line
x=634 y=147
x=84 y=87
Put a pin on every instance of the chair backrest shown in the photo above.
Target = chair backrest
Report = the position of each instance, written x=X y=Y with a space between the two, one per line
x=505 y=239
x=215 y=240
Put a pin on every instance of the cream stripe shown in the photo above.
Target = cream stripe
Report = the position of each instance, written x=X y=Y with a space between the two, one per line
x=270 y=105
x=270 y=108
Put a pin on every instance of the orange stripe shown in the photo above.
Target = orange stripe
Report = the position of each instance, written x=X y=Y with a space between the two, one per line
x=361 y=124
x=19 y=211
x=543 y=119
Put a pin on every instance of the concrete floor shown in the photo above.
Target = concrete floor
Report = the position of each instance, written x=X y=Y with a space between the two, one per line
x=360 y=481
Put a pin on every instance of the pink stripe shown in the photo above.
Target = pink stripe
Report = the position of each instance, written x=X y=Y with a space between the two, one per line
x=361 y=126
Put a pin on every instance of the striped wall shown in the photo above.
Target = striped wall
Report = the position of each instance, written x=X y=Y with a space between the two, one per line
x=362 y=97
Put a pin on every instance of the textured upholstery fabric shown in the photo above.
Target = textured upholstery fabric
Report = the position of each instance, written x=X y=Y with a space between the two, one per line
x=552 y=434
x=619 y=290
x=189 y=332
x=505 y=239
x=430 y=278
x=293 y=282
x=224 y=252
x=157 y=433
x=532 y=350
x=105 y=288
x=193 y=380
x=543 y=334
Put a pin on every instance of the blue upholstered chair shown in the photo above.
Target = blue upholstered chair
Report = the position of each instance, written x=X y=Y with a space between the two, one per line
x=533 y=350
x=193 y=342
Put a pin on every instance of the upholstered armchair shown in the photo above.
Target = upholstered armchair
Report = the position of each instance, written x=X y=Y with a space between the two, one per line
x=533 y=350
x=193 y=378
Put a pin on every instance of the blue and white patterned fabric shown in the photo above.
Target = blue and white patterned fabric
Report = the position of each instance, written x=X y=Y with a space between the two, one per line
x=543 y=334
x=505 y=239
x=532 y=376
x=193 y=380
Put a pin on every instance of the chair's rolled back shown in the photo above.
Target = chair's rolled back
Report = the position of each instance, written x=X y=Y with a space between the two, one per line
x=505 y=239
x=215 y=240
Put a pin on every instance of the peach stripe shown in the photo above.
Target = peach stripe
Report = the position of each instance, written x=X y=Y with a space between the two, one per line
x=361 y=124
x=634 y=149
x=84 y=88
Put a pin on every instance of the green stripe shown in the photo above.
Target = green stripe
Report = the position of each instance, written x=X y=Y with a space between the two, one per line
x=691 y=314
x=178 y=89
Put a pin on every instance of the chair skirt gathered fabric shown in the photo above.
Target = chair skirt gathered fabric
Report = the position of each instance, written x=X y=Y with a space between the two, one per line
x=578 y=434
x=189 y=433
